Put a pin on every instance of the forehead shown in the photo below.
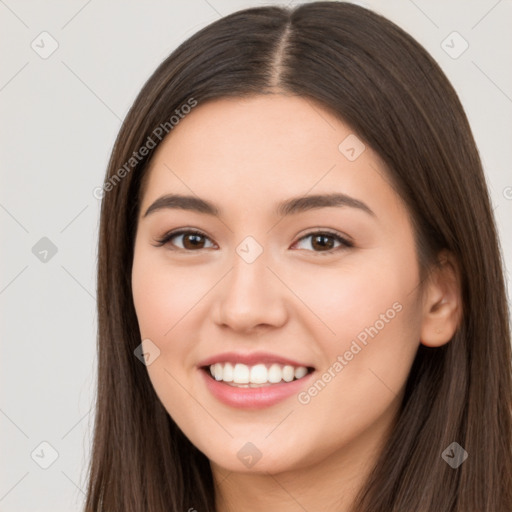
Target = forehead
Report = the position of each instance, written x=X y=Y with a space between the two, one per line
x=275 y=126
x=263 y=149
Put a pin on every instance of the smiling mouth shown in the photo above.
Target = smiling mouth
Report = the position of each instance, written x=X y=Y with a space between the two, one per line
x=260 y=375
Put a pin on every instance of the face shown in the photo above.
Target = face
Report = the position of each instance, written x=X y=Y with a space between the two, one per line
x=307 y=314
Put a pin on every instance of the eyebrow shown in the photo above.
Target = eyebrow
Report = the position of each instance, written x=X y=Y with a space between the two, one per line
x=288 y=207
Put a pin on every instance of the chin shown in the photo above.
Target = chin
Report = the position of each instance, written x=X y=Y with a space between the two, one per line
x=255 y=458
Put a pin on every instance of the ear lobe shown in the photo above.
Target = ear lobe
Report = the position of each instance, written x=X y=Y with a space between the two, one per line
x=442 y=305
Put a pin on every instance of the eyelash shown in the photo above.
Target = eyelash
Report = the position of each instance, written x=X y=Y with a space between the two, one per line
x=345 y=244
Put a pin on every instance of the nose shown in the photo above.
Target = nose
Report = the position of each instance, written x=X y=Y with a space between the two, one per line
x=251 y=297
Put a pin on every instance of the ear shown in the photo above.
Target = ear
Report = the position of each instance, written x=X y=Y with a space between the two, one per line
x=442 y=303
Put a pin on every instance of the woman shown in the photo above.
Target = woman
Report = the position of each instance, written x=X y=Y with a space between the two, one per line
x=301 y=298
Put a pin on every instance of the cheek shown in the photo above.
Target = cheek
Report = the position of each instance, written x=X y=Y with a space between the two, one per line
x=162 y=295
x=167 y=300
x=373 y=310
x=340 y=303
x=369 y=329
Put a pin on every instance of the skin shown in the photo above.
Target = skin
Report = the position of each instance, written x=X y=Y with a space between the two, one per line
x=294 y=300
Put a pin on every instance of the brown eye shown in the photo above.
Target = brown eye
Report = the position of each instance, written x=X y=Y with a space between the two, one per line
x=191 y=240
x=325 y=241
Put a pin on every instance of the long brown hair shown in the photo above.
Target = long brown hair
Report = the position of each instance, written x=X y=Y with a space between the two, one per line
x=383 y=84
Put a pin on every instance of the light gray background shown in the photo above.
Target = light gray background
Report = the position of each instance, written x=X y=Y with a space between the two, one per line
x=59 y=117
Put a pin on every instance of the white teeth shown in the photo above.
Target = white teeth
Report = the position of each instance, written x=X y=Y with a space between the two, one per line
x=217 y=371
x=275 y=374
x=240 y=374
x=227 y=374
x=288 y=372
x=299 y=372
x=258 y=374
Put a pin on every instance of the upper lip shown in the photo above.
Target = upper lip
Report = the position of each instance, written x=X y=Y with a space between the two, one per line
x=250 y=359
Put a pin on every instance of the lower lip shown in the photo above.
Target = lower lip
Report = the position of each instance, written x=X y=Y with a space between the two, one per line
x=254 y=398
